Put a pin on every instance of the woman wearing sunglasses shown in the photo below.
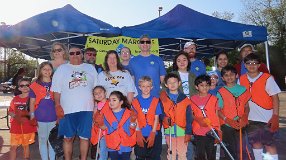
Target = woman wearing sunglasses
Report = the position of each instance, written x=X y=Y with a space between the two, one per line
x=58 y=55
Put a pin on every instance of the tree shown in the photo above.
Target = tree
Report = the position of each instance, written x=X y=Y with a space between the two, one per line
x=223 y=15
x=272 y=15
x=16 y=60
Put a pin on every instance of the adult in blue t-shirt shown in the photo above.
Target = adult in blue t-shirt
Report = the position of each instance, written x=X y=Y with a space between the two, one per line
x=147 y=64
x=197 y=67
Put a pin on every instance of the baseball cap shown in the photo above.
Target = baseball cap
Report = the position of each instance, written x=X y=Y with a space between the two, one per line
x=189 y=44
x=247 y=45
x=210 y=73
x=144 y=36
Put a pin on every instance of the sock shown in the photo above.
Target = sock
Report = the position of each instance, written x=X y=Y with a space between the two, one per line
x=258 y=154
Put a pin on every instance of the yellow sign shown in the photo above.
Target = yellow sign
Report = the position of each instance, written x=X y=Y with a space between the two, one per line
x=104 y=44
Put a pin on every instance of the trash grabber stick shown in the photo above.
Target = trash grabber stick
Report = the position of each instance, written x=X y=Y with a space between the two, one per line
x=217 y=137
x=240 y=144
x=170 y=141
x=97 y=147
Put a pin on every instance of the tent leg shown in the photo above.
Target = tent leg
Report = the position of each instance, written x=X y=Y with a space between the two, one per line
x=267 y=55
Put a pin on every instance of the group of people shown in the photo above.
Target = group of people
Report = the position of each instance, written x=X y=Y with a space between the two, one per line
x=120 y=108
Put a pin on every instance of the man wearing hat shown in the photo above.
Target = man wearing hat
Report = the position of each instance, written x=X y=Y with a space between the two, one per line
x=197 y=67
x=245 y=50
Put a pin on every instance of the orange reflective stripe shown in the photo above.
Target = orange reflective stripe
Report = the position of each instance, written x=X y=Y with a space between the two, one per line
x=40 y=92
x=257 y=90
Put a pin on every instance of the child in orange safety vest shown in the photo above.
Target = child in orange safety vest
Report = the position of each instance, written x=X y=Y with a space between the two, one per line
x=148 y=110
x=99 y=94
x=234 y=109
x=120 y=124
x=202 y=124
x=263 y=116
x=178 y=117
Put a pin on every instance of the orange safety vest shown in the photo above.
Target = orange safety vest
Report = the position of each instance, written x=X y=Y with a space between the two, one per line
x=96 y=130
x=40 y=92
x=257 y=90
x=119 y=136
x=233 y=106
x=210 y=110
x=177 y=112
x=149 y=117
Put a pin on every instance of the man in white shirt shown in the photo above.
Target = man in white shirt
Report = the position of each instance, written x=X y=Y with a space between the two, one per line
x=72 y=85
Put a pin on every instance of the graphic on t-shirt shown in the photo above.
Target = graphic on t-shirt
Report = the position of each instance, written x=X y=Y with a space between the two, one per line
x=114 y=80
x=145 y=110
x=152 y=62
x=78 y=79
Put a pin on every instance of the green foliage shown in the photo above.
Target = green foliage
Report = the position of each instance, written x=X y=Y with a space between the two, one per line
x=16 y=60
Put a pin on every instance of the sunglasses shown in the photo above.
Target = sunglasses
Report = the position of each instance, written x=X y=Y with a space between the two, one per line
x=24 y=85
x=145 y=42
x=251 y=63
x=57 y=50
x=75 y=53
x=91 y=54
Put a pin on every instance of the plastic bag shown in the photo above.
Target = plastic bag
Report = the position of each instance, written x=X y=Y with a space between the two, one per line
x=56 y=141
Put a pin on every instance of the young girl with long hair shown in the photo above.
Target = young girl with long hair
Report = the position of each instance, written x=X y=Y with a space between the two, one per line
x=120 y=123
x=99 y=94
x=181 y=67
x=42 y=108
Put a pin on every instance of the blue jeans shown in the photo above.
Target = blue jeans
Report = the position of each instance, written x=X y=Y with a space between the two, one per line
x=103 y=149
x=46 y=150
x=114 y=155
x=190 y=151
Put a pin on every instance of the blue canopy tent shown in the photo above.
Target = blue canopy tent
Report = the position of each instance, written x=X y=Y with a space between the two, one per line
x=35 y=35
x=211 y=34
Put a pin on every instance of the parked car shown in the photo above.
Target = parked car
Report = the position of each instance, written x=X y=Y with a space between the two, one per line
x=7 y=86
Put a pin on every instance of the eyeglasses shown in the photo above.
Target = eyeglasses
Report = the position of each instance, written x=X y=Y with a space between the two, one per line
x=252 y=63
x=24 y=85
x=57 y=50
x=214 y=78
x=145 y=42
x=91 y=54
x=75 y=53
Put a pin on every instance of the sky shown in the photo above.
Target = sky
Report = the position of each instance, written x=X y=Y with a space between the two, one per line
x=118 y=13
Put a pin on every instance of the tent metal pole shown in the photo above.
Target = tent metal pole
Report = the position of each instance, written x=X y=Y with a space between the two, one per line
x=267 y=55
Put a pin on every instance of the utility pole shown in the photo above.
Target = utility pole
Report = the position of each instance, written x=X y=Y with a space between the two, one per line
x=160 y=9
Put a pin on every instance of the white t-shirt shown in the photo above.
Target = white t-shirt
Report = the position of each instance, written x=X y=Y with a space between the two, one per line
x=117 y=81
x=185 y=82
x=258 y=113
x=75 y=84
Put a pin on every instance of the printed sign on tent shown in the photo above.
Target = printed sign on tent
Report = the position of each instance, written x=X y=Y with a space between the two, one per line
x=104 y=44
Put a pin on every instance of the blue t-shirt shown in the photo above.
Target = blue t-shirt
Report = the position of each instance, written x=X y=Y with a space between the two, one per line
x=45 y=111
x=152 y=66
x=114 y=126
x=243 y=69
x=220 y=82
x=128 y=68
x=198 y=67
x=214 y=91
x=145 y=104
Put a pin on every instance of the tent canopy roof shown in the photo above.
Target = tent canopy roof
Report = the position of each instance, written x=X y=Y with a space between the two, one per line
x=35 y=35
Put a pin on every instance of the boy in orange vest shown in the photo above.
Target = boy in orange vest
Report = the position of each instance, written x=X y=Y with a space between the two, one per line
x=178 y=117
x=264 y=108
x=234 y=109
x=202 y=124
x=22 y=129
x=148 y=110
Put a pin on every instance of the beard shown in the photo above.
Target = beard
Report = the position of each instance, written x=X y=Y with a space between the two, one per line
x=192 y=55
